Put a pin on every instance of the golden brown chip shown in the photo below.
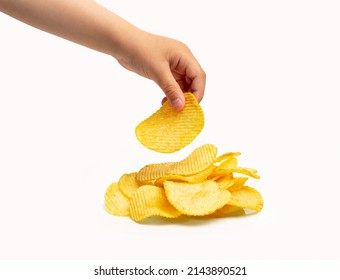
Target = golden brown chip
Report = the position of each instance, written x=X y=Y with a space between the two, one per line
x=226 y=156
x=238 y=183
x=150 y=201
x=195 y=178
x=167 y=130
x=196 y=199
x=152 y=172
x=128 y=184
x=247 y=197
x=232 y=184
x=246 y=171
x=200 y=159
x=228 y=211
x=220 y=174
x=116 y=203
x=230 y=162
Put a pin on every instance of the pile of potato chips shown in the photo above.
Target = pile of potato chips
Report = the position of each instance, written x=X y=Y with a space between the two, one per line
x=202 y=184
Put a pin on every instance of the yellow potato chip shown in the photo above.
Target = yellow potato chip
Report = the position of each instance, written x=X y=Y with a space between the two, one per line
x=220 y=174
x=150 y=201
x=226 y=156
x=247 y=197
x=246 y=171
x=194 y=178
x=152 y=172
x=230 y=162
x=238 y=183
x=232 y=184
x=200 y=159
x=167 y=130
x=228 y=211
x=116 y=203
x=128 y=184
x=196 y=199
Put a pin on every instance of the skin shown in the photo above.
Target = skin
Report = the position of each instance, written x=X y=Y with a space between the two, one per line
x=166 y=61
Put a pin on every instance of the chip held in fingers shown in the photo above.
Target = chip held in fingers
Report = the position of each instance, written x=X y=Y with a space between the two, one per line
x=202 y=184
x=168 y=130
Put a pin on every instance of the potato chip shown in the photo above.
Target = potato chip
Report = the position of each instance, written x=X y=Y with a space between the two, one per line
x=150 y=201
x=232 y=184
x=128 y=184
x=238 y=183
x=224 y=170
x=247 y=197
x=230 y=162
x=194 y=178
x=226 y=156
x=246 y=171
x=116 y=203
x=228 y=211
x=200 y=159
x=167 y=130
x=152 y=172
x=220 y=174
x=196 y=199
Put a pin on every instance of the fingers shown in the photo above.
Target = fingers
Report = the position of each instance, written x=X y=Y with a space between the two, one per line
x=164 y=99
x=188 y=73
x=198 y=86
x=198 y=80
x=172 y=90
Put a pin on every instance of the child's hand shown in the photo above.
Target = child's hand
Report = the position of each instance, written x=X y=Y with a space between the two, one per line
x=168 y=62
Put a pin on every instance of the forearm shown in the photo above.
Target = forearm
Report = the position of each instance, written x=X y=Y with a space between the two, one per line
x=168 y=62
x=82 y=21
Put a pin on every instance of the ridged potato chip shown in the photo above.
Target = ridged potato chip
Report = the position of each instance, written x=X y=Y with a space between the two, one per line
x=232 y=184
x=246 y=171
x=247 y=197
x=230 y=162
x=196 y=199
x=116 y=203
x=150 y=201
x=151 y=172
x=225 y=156
x=200 y=159
x=228 y=211
x=128 y=184
x=167 y=130
x=220 y=173
x=194 y=178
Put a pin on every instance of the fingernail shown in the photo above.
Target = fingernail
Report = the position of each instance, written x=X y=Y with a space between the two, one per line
x=177 y=104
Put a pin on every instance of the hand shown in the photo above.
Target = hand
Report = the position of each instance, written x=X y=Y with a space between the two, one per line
x=168 y=62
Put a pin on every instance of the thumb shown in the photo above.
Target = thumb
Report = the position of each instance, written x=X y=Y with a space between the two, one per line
x=172 y=91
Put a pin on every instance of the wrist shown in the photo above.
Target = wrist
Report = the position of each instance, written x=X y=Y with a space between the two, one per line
x=124 y=38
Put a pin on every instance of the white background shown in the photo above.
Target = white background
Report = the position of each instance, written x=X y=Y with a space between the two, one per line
x=68 y=114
